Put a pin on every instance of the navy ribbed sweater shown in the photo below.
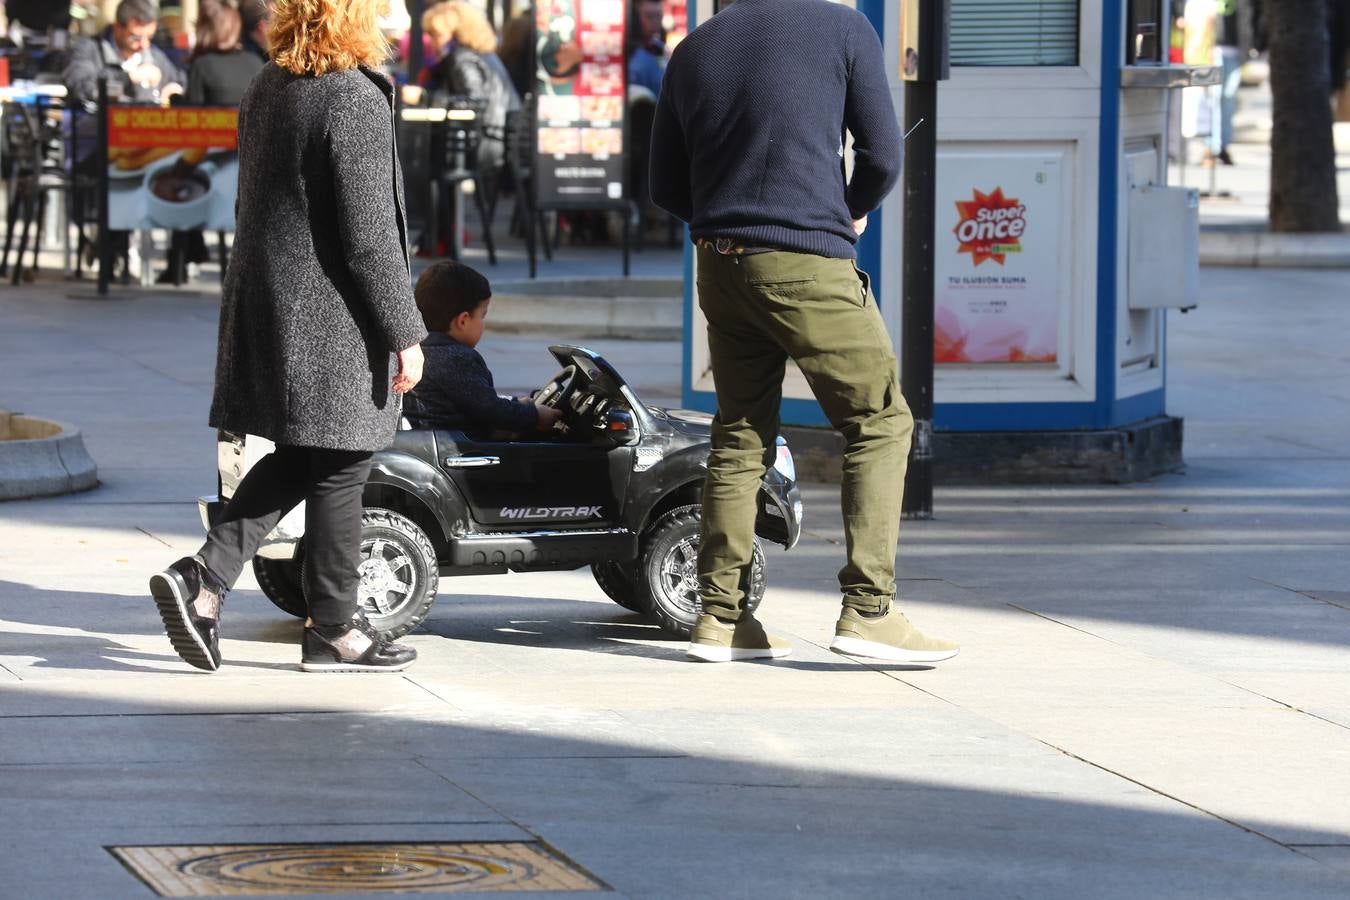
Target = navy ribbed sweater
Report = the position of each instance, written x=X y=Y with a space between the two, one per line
x=748 y=138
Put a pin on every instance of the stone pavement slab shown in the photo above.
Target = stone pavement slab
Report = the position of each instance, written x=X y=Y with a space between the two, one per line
x=1151 y=698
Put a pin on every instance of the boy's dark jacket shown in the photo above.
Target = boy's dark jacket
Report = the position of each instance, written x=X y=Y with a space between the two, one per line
x=456 y=392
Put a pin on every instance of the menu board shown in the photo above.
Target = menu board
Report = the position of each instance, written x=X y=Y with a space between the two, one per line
x=581 y=77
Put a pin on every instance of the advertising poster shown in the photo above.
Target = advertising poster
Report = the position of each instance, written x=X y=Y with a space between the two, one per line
x=582 y=87
x=998 y=258
x=174 y=168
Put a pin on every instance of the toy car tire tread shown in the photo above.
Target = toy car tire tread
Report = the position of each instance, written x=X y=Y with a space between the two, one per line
x=619 y=582
x=282 y=583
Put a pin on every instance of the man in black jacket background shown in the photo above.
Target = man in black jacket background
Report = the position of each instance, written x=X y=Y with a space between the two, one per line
x=748 y=148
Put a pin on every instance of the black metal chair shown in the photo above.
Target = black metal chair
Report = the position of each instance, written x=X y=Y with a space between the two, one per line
x=438 y=148
x=35 y=148
x=82 y=210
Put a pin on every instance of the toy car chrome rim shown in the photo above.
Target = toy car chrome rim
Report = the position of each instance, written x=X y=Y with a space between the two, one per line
x=388 y=578
x=679 y=575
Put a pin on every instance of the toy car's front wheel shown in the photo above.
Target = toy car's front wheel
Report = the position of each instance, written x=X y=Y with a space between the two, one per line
x=668 y=571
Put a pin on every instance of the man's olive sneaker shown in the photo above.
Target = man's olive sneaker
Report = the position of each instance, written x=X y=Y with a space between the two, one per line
x=890 y=637
x=713 y=640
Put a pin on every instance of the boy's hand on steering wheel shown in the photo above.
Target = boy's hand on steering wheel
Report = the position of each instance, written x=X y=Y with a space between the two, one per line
x=548 y=417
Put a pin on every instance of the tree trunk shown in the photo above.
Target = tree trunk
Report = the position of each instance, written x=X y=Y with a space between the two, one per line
x=1303 y=152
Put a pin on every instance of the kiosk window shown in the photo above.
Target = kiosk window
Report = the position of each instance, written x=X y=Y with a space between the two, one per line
x=1144 y=32
x=1014 y=33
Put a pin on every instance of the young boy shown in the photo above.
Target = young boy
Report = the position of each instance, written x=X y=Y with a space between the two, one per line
x=456 y=390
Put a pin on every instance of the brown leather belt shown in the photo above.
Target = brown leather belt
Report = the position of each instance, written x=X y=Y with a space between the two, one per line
x=728 y=247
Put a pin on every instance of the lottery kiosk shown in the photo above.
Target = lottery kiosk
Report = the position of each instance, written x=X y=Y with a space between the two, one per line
x=1059 y=247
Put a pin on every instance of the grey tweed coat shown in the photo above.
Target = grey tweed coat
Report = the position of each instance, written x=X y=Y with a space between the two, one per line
x=318 y=292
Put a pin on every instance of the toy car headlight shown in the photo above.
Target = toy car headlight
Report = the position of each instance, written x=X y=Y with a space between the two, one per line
x=784 y=465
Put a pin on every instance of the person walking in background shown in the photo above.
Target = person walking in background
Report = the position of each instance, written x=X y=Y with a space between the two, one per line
x=1231 y=55
x=317 y=296
x=747 y=147
x=219 y=74
x=646 y=46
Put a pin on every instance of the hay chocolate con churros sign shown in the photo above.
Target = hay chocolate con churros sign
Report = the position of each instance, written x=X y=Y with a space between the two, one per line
x=174 y=168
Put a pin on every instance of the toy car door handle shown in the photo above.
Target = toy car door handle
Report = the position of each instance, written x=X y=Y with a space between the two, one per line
x=471 y=462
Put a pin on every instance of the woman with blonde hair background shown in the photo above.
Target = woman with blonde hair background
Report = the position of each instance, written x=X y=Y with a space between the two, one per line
x=316 y=300
x=469 y=67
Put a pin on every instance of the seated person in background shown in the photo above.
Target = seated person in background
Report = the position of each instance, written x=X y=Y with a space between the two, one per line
x=456 y=390
x=138 y=69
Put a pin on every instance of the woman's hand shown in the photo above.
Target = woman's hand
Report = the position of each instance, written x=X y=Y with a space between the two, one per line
x=409 y=369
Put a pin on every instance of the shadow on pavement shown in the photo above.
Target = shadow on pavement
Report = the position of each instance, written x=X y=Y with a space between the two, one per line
x=649 y=820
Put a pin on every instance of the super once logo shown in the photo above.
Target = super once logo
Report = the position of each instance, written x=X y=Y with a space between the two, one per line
x=990 y=226
x=550 y=512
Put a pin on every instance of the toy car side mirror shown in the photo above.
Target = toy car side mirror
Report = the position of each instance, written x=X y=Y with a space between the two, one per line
x=618 y=424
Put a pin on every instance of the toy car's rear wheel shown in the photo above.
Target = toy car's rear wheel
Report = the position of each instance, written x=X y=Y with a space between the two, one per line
x=668 y=571
x=619 y=582
x=399 y=572
x=280 y=580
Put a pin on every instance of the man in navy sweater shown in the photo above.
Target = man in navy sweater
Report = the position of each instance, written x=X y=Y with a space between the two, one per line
x=748 y=148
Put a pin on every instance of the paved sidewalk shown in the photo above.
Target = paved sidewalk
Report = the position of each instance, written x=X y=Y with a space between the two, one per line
x=1152 y=699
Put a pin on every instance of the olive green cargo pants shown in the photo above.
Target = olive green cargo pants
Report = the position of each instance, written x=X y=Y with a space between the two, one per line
x=763 y=309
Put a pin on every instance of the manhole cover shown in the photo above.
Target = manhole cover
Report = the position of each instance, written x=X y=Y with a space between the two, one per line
x=206 y=871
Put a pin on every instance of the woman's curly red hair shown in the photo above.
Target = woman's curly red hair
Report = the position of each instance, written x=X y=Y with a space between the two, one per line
x=312 y=37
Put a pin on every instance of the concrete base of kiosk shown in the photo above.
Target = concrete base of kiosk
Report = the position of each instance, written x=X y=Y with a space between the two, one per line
x=1110 y=456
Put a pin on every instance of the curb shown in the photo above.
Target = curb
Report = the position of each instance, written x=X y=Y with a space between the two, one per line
x=1251 y=248
x=46 y=459
x=638 y=308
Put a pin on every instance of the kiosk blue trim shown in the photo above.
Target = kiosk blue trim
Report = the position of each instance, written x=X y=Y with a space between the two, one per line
x=1108 y=208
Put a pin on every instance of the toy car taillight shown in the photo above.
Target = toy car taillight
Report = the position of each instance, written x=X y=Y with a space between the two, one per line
x=784 y=465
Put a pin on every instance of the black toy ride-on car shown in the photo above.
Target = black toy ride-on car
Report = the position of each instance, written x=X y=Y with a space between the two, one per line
x=616 y=487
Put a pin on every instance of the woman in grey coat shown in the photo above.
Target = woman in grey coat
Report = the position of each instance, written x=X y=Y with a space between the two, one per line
x=316 y=301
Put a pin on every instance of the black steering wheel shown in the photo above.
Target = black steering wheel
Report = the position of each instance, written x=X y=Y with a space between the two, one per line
x=558 y=392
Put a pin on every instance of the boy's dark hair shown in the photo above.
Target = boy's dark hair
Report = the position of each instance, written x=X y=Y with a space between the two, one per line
x=447 y=289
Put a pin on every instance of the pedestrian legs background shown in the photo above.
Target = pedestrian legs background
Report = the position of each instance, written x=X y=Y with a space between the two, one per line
x=331 y=482
x=763 y=309
x=1231 y=60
